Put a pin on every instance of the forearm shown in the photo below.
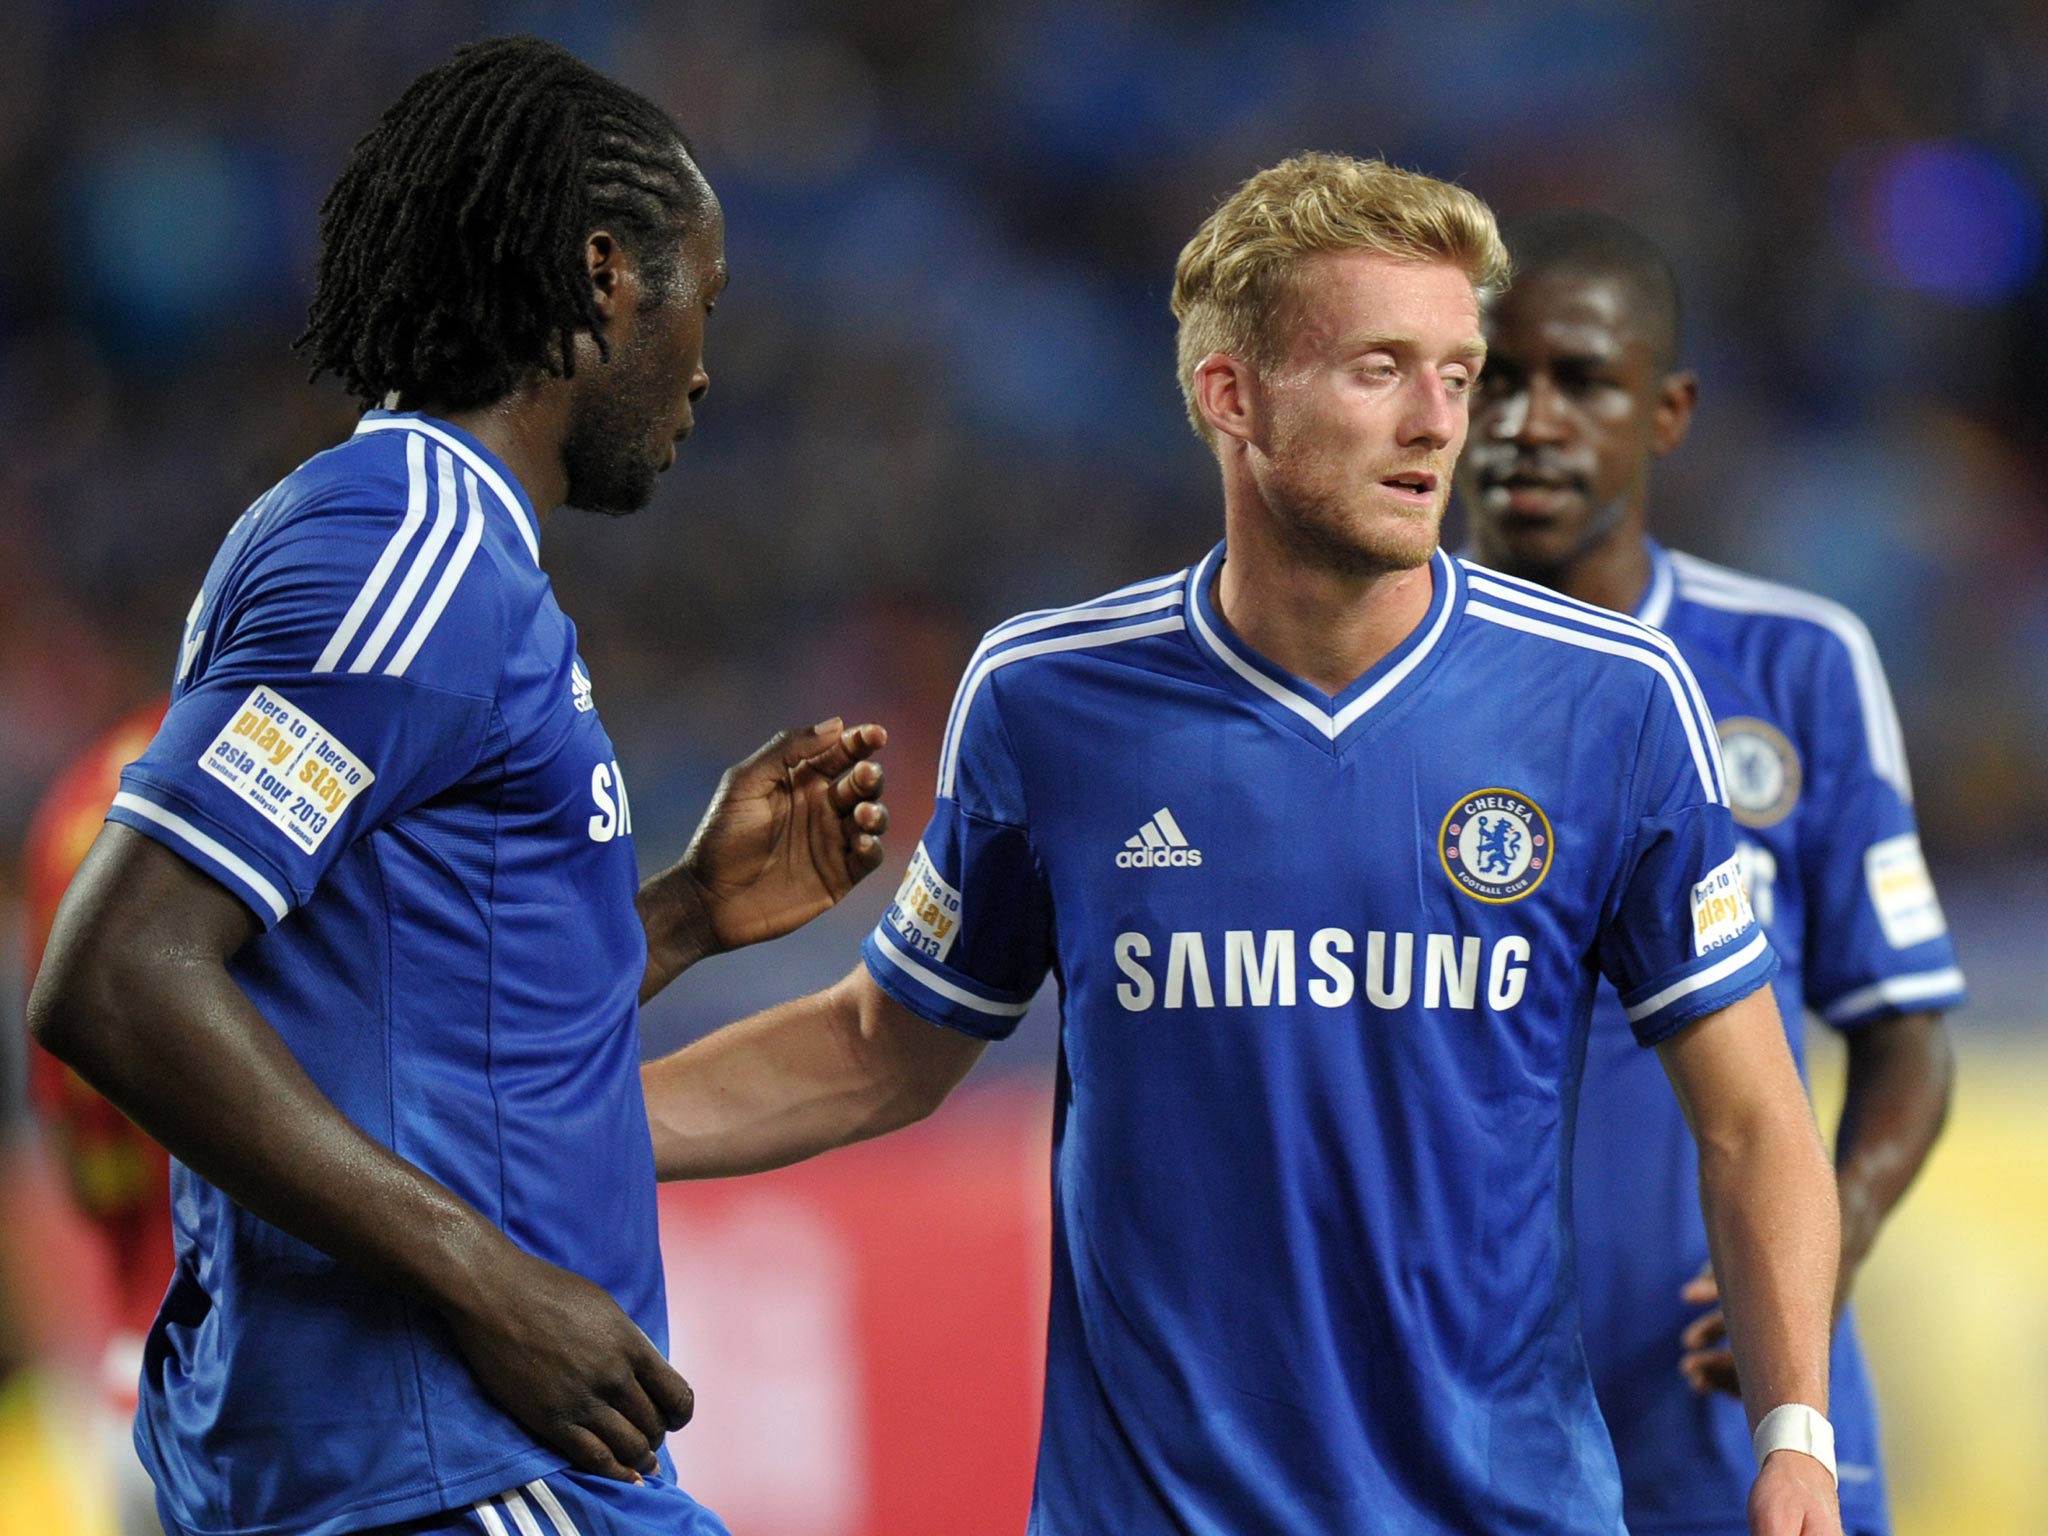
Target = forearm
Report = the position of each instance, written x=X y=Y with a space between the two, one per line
x=839 y=1066
x=677 y=924
x=178 y=1047
x=1900 y=1074
x=1774 y=1235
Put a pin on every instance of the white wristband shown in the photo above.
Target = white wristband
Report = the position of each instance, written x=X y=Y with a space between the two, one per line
x=1796 y=1427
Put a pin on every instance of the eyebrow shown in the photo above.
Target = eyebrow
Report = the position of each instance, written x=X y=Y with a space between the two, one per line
x=1470 y=349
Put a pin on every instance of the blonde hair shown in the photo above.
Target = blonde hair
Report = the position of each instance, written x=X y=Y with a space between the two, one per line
x=1233 y=277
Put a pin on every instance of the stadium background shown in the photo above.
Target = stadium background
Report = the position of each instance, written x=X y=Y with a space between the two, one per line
x=943 y=392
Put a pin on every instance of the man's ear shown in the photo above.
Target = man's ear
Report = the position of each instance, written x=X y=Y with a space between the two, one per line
x=613 y=280
x=1227 y=395
x=1677 y=394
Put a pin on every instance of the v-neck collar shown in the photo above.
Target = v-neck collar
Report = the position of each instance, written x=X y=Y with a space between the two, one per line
x=1303 y=707
x=1655 y=607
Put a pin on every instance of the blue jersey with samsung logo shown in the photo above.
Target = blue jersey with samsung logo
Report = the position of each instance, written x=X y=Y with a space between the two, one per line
x=1831 y=858
x=381 y=739
x=1326 y=967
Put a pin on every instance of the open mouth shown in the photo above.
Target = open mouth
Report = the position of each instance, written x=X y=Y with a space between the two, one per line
x=1417 y=485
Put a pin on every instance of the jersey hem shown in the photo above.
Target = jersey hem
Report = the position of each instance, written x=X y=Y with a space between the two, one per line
x=920 y=1002
x=1751 y=979
x=1866 y=1005
x=186 y=828
x=393 y=1508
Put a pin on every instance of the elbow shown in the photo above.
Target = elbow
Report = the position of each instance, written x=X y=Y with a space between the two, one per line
x=78 y=1004
x=61 y=1008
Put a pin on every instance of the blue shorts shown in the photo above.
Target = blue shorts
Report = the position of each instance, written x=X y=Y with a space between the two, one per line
x=564 y=1503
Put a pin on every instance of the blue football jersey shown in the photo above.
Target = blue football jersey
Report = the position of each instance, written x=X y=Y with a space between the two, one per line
x=1326 y=967
x=1831 y=859
x=381 y=740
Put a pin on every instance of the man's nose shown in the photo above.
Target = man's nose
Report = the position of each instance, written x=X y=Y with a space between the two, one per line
x=1434 y=414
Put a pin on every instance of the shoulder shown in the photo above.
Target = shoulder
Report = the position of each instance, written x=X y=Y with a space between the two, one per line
x=1558 y=631
x=1102 y=628
x=1818 y=651
x=387 y=544
x=1027 y=649
x=1598 y=649
x=1786 y=612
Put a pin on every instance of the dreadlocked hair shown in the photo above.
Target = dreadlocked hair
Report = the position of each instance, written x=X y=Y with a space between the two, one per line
x=451 y=247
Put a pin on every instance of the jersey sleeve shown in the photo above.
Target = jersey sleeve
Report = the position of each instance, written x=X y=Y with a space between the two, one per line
x=1680 y=940
x=967 y=941
x=350 y=675
x=1876 y=940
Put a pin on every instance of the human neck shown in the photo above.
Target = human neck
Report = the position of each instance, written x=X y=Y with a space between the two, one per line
x=1612 y=574
x=1326 y=627
x=524 y=429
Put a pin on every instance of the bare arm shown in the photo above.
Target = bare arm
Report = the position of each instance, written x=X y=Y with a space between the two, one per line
x=1773 y=1230
x=839 y=1066
x=1900 y=1073
x=135 y=994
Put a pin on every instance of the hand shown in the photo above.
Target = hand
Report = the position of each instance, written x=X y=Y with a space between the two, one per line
x=1706 y=1361
x=1793 y=1496
x=791 y=830
x=558 y=1355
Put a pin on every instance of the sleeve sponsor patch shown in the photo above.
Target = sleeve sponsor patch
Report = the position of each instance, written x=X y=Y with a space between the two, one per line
x=1720 y=908
x=283 y=762
x=926 y=912
x=1903 y=892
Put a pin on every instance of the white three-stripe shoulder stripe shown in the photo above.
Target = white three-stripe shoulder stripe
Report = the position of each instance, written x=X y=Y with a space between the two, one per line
x=1009 y=642
x=478 y=466
x=447 y=503
x=1715 y=586
x=1536 y=611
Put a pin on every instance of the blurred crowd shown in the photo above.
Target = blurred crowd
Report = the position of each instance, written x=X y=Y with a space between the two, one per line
x=942 y=379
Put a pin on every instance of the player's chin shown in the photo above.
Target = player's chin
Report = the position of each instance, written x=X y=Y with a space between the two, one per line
x=619 y=492
x=1402 y=538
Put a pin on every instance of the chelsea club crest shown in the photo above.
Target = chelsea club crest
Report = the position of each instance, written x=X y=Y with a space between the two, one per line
x=1496 y=845
x=1763 y=771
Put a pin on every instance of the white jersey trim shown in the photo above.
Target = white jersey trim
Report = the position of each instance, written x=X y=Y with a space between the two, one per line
x=1698 y=980
x=522 y=1517
x=916 y=970
x=1894 y=992
x=1705 y=759
x=1715 y=586
x=1332 y=725
x=1543 y=600
x=1095 y=609
x=544 y=1496
x=472 y=535
x=416 y=573
x=211 y=849
x=470 y=457
x=489 y=1516
x=380 y=573
x=1656 y=604
x=949 y=760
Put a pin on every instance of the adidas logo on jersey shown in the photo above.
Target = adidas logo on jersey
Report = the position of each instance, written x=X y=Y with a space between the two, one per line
x=1159 y=844
x=579 y=689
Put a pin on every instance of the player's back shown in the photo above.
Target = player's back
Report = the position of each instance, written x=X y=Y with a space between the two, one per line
x=382 y=741
x=1325 y=967
x=1825 y=832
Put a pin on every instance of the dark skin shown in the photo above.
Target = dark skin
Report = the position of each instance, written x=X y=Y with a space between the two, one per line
x=1577 y=403
x=135 y=992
